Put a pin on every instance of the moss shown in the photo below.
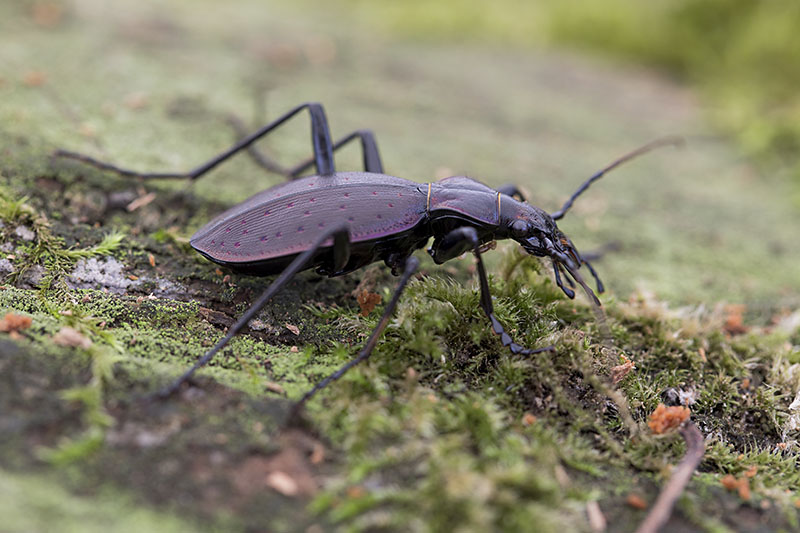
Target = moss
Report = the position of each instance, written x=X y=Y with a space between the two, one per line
x=443 y=428
x=38 y=502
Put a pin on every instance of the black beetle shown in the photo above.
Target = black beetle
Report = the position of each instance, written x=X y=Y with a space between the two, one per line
x=338 y=222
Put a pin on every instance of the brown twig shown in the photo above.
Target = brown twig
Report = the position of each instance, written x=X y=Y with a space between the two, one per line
x=662 y=508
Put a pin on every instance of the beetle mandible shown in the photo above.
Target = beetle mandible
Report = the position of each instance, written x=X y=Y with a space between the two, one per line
x=337 y=222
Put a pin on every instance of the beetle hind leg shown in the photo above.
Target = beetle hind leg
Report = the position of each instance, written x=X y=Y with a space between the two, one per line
x=411 y=266
x=341 y=239
x=370 y=154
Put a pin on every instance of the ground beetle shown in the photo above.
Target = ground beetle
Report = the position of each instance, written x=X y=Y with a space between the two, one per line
x=337 y=222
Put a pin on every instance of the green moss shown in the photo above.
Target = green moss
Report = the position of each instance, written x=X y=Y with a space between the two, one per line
x=39 y=503
x=443 y=428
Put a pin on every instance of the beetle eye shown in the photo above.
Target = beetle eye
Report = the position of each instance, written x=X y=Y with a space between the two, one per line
x=520 y=229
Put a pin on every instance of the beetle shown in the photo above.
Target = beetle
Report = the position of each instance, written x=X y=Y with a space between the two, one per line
x=338 y=222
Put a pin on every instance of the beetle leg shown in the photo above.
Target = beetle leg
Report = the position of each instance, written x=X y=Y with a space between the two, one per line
x=596 y=254
x=461 y=239
x=320 y=139
x=396 y=262
x=411 y=265
x=369 y=150
x=341 y=250
x=369 y=153
x=338 y=233
x=261 y=159
x=509 y=189
x=453 y=244
x=485 y=247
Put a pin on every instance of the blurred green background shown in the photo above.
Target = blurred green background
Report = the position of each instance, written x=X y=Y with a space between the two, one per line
x=743 y=56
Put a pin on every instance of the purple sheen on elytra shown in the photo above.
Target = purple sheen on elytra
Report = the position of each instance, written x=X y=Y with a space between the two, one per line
x=266 y=215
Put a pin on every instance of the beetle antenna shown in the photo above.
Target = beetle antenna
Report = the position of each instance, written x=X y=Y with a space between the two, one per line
x=589 y=292
x=597 y=309
x=666 y=141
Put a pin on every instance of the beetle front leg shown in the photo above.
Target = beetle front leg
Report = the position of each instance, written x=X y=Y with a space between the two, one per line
x=455 y=243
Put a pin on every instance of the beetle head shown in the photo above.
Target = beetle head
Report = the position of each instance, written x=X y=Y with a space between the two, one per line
x=539 y=235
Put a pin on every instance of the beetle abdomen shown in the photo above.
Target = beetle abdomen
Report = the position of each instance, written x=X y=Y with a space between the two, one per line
x=285 y=220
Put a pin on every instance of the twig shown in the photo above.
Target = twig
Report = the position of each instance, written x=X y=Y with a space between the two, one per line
x=662 y=508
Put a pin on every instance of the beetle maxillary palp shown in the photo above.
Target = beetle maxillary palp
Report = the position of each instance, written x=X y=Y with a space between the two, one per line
x=557 y=272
